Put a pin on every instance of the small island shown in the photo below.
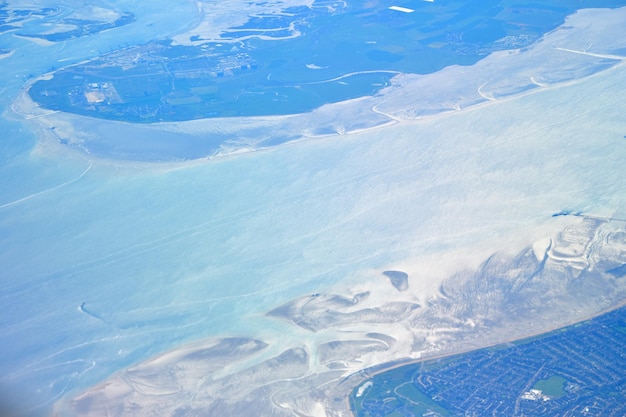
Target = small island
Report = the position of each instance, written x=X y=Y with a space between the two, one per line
x=283 y=64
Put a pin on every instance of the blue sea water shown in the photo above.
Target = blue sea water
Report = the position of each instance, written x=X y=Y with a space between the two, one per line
x=104 y=264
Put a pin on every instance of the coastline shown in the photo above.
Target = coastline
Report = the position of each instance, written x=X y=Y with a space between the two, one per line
x=500 y=76
x=373 y=372
x=333 y=196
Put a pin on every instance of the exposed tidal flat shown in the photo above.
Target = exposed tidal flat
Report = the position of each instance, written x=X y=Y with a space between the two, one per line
x=505 y=298
x=329 y=321
x=255 y=284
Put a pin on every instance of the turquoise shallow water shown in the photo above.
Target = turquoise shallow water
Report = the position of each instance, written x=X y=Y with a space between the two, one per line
x=104 y=264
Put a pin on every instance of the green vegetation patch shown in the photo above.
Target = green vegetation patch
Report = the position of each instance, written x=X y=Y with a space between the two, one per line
x=421 y=404
x=553 y=386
